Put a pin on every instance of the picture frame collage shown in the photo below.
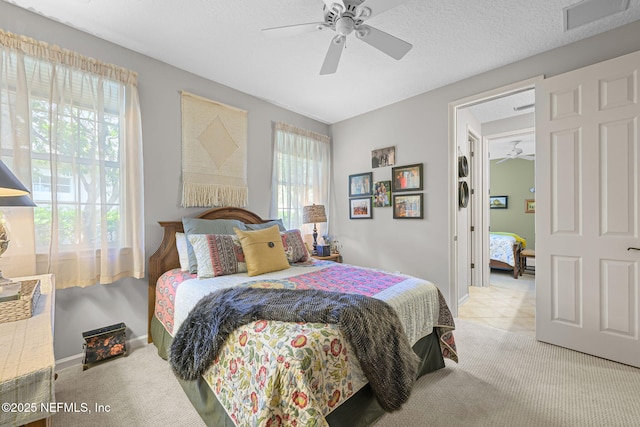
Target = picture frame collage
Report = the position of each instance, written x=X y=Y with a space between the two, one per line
x=403 y=192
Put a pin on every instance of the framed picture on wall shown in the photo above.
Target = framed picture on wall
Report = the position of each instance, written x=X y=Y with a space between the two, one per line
x=408 y=206
x=530 y=206
x=360 y=208
x=498 y=202
x=383 y=157
x=360 y=184
x=407 y=178
x=382 y=194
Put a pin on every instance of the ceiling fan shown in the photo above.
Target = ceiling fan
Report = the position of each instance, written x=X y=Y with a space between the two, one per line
x=516 y=153
x=346 y=17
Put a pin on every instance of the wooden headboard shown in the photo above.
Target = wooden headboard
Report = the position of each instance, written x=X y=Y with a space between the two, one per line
x=166 y=258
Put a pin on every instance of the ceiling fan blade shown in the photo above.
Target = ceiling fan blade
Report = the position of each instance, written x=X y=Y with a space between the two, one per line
x=294 y=30
x=527 y=157
x=503 y=160
x=331 y=60
x=391 y=45
x=370 y=8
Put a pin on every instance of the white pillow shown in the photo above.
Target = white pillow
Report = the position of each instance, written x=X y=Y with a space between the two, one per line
x=183 y=254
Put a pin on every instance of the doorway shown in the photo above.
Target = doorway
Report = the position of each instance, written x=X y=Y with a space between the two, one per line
x=489 y=123
x=504 y=301
x=586 y=202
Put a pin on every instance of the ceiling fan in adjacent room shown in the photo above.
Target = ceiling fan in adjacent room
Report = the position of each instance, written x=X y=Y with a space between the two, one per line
x=346 y=17
x=516 y=153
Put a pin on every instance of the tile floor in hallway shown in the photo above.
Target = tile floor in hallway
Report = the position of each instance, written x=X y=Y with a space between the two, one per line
x=507 y=303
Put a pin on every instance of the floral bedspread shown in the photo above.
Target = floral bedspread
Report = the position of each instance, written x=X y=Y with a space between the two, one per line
x=281 y=374
x=294 y=374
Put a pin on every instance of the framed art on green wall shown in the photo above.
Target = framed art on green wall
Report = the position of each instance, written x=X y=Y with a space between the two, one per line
x=530 y=206
x=499 y=202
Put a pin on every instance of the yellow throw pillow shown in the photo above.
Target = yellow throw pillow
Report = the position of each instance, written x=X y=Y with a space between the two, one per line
x=263 y=250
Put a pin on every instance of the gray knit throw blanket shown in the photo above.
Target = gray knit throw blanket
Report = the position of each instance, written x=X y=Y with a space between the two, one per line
x=371 y=326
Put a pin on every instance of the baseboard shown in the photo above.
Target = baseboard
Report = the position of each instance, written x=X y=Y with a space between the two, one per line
x=76 y=359
x=464 y=299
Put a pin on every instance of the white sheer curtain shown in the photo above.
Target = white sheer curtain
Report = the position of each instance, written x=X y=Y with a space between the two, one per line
x=301 y=175
x=70 y=130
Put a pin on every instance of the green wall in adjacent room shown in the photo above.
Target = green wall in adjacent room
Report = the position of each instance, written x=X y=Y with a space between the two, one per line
x=514 y=178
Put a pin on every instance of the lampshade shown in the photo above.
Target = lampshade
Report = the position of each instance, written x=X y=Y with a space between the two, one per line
x=10 y=185
x=16 y=201
x=313 y=213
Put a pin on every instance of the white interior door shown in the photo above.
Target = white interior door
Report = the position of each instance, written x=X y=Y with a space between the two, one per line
x=587 y=207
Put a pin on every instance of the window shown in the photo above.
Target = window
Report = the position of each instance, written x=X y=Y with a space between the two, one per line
x=301 y=169
x=70 y=126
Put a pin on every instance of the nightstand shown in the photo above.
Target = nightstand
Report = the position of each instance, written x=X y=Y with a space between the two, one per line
x=332 y=257
x=27 y=370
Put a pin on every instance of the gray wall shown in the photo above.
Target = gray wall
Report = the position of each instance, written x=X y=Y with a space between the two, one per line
x=513 y=178
x=419 y=128
x=82 y=309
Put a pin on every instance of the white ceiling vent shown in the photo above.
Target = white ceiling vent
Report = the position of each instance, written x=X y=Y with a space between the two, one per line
x=591 y=10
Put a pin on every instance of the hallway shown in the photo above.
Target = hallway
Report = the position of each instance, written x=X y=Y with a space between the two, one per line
x=507 y=304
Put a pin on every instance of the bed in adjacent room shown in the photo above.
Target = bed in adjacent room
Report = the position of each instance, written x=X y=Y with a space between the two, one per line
x=504 y=251
x=331 y=370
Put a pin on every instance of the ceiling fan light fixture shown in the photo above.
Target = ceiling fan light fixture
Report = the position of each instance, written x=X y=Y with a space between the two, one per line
x=345 y=26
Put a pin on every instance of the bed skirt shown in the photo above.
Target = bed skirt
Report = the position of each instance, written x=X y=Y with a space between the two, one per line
x=360 y=410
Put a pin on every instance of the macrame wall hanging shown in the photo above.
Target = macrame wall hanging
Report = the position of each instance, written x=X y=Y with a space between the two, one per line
x=214 y=153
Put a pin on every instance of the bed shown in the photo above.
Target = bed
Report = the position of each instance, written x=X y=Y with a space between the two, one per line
x=504 y=252
x=290 y=373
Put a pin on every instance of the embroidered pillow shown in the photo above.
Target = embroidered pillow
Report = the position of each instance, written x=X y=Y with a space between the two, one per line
x=207 y=226
x=183 y=255
x=218 y=254
x=294 y=246
x=263 y=250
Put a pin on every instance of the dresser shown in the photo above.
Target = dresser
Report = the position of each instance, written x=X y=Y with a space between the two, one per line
x=27 y=362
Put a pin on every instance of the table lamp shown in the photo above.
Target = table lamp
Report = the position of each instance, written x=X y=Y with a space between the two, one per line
x=313 y=214
x=12 y=193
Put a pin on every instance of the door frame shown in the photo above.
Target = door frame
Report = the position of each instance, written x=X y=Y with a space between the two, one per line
x=483 y=192
x=487 y=140
x=476 y=179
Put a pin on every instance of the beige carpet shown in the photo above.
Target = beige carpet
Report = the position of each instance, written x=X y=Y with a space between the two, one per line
x=503 y=379
x=140 y=390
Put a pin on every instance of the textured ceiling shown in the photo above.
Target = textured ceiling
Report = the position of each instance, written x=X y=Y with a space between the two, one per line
x=222 y=41
x=503 y=108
